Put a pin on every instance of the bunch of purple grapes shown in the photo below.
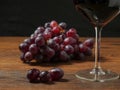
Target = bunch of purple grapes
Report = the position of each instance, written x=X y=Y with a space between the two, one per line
x=53 y=43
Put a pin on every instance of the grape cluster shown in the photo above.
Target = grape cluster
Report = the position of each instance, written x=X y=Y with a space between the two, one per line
x=53 y=42
x=36 y=76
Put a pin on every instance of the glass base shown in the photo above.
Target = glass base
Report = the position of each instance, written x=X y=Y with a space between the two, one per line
x=98 y=75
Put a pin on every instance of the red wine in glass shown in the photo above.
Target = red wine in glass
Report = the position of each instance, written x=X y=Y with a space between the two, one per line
x=99 y=13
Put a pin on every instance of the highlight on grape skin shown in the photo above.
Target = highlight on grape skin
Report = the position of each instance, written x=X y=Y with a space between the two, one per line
x=55 y=42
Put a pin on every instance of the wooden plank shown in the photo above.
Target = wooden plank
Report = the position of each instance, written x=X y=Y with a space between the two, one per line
x=13 y=71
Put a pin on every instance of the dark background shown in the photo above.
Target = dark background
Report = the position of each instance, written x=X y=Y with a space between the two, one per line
x=22 y=17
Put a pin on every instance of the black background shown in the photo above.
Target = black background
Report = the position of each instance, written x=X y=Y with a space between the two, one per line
x=22 y=17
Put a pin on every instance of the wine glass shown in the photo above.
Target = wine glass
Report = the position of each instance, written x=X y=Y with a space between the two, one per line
x=99 y=13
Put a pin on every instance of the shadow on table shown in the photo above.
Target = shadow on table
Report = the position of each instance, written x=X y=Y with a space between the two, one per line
x=70 y=62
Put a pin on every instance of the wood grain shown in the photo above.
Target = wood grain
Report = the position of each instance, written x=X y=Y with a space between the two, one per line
x=13 y=71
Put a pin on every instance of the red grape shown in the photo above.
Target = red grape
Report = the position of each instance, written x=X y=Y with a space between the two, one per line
x=69 y=49
x=24 y=47
x=71 y=32
x=40 y=41
x=28 y=56
x=89 y=43
x=56 y=30
x=49 y=52
x=57 y=39
x=51 y=42
x=39 y=30
x=69 y=41
x=63 y=56
x=47 y=35
x=22 y=57
x=33 y=49
x=32 y=38
x=33 y=75
x=45 y=76
x=56 y=74
x=28 y=41
x=88 y=52
x=53 y=23
x=82 y=48
x=63 y=25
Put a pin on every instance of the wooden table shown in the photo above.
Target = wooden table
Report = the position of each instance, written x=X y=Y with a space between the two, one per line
x=13 y=71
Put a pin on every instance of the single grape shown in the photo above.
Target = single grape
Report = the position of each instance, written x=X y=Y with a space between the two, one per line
x=56 y=73
x=47 y=35
x=45 y=76
x=69 y=40
x=53 y=23
x=39 y=30
x=63 y=25
x=22 y=57
x=28 y=56
x=88 y=52
x=57 y=39
x=82 y=48
x=28 y=41
x=24 y=47
x=33 y=75
x=40 y=41
x=71 y=32
x=33 y=49
x=69 y=49
x=49 y=52
x=56 y=30
x=89 y=43
x=32 y=38
x=63 y=56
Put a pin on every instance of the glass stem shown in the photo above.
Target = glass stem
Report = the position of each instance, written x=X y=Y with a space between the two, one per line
x=97 y=47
